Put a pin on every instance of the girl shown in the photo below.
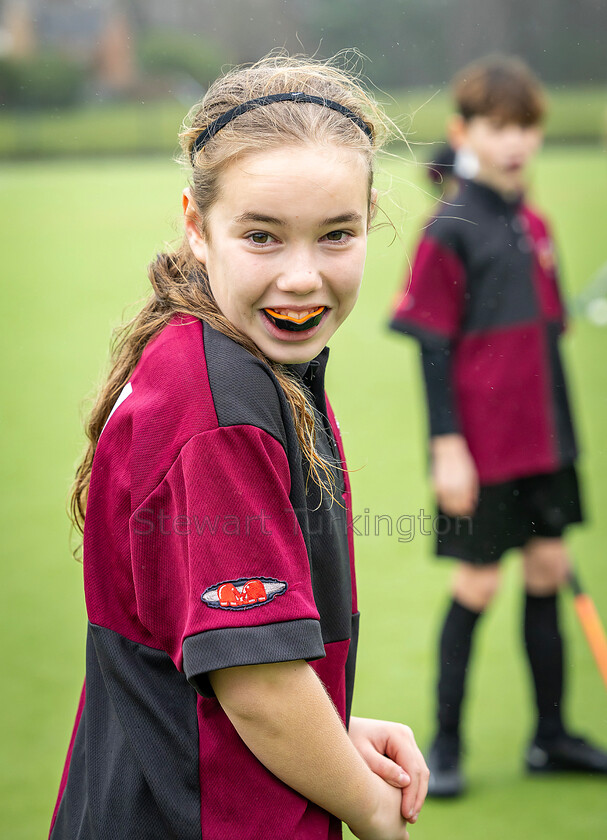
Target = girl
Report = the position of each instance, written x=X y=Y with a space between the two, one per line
x=217 y=553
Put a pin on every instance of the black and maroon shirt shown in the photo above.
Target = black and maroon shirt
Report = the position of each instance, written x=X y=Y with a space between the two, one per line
x=205 y=547
x=483 y=300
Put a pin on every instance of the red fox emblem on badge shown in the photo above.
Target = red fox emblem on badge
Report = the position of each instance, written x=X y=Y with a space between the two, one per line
x=243 y=593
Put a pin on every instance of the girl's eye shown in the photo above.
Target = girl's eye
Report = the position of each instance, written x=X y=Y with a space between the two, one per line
x=260 y=238
x=337 y=236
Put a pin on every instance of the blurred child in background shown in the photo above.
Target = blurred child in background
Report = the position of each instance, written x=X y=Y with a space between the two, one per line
x=483 y=300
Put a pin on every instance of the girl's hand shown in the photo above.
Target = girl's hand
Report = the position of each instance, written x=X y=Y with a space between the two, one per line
x=454 y=475
x=283 y=714
x=385 y=822
x=390 y=751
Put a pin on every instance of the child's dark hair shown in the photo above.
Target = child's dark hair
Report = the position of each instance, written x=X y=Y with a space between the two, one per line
x=179 y=281
x=501 y=87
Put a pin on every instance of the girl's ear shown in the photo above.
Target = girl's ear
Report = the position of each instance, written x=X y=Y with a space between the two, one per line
x=193 y=227
x=372 y=207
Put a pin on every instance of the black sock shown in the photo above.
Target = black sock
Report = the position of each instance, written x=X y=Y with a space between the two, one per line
x=455 y=642
x=545 y=652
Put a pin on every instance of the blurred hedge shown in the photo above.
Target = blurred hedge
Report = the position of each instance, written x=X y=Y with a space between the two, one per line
x=114 y=128
x=119 y=128
x=46 y=80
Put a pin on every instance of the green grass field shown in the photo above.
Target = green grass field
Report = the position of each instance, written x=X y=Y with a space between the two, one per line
x=76 y=238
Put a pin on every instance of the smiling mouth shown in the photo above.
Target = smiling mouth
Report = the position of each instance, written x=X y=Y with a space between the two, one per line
x=292 y=321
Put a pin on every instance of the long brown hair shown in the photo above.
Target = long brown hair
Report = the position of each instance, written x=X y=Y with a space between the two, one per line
x=178 y=280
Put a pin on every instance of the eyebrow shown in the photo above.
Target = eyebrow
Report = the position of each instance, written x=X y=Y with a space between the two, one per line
x=344 y=218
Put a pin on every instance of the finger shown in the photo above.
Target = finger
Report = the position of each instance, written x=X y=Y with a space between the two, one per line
x=388 y=770
x=398 y=778
x=415 y=793
x=408 y=806
x=422 y=790
x=401 y=747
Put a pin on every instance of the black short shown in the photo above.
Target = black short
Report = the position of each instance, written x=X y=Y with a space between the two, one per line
x=508 y=515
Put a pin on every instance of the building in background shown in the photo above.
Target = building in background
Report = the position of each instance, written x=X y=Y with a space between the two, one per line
x=97 y=35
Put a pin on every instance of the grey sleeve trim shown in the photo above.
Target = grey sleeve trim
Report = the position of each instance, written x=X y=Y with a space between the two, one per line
x=280 y=642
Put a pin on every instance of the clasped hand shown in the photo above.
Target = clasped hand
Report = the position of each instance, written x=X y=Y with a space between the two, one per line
x=390 y=751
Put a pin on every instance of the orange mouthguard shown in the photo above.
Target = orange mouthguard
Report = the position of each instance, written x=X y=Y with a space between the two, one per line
x=302 y=320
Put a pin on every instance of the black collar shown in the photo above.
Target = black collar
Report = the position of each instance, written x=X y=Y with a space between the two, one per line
x=491 y=197
x=314 y=369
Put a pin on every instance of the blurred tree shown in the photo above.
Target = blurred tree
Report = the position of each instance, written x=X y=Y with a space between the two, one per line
x=164 y=53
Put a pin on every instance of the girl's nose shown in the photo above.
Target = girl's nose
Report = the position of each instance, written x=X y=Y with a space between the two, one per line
x=300 y=276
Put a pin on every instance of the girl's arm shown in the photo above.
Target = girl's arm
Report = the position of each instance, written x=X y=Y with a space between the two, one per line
x=283 y=714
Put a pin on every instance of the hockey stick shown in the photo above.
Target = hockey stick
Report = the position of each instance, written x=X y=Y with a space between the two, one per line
x=591 y=624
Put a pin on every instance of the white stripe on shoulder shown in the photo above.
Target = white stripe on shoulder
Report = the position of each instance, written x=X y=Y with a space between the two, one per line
x=126 y=392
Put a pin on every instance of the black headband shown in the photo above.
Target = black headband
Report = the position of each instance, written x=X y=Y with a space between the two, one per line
x=296 y=96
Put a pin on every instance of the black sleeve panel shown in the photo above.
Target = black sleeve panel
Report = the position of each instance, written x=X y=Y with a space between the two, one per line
x=436 y=364
x=234 y=646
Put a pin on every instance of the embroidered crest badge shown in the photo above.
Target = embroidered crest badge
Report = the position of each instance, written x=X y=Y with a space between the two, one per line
x=244 y=593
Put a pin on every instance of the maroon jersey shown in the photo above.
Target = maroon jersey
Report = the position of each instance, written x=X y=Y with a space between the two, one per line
x=484 y=302
x=205 y=547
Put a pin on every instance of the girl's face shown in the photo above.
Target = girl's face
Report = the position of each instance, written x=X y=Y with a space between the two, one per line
x=284 y=245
